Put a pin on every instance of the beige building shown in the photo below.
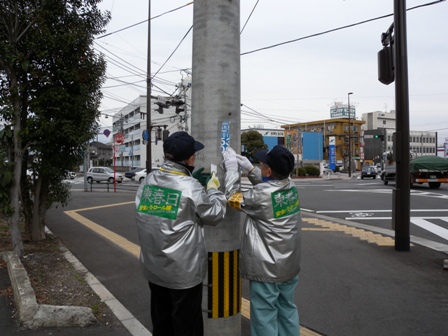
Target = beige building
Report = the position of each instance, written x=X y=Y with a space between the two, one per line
x=337 y=129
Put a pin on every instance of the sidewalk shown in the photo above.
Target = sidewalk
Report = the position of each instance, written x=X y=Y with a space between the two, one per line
x=352 y=282
x=330 y=176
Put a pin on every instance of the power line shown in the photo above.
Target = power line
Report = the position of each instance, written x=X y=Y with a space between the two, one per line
x=124 y=83
x=121 y=59
x=250 y=15
x=139 y=23
x=186 y=34
x=336 y=29
x=255 y=113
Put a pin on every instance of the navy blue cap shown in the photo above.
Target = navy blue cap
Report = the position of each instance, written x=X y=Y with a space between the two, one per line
x=181 y=146
x=279 y=159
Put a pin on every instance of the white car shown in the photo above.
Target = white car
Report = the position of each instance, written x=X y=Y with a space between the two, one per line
x=141 y=175
x=69 y=175
x=32 y=174
x=327 y=171
x=106 y=174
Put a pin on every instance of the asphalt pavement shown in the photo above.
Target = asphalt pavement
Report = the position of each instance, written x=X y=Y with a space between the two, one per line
x=353 y=281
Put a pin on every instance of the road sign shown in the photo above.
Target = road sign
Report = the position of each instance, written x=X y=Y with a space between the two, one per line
x=119 y=138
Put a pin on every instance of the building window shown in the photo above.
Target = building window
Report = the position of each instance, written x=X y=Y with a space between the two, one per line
x=384 y=122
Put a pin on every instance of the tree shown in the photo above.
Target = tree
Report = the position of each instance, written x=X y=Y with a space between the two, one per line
x=252 y=142
x=51 y=78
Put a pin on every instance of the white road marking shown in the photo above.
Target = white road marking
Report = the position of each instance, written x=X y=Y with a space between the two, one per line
x=428 y=226
x=370 y=210
x=419 y=221
x=389 y=191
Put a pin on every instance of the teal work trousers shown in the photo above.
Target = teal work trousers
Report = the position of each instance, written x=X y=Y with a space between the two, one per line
x=272 y=308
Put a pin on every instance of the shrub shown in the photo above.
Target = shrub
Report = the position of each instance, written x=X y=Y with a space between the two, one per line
x=301 y=171
x=312 y=171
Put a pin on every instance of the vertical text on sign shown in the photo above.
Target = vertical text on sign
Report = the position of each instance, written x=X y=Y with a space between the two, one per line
x=225 y=136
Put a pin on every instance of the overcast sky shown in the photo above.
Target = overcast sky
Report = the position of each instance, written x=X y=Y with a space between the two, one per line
x=294 y=82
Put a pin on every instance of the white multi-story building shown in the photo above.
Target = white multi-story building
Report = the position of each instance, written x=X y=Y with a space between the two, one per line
x=132 y=122
x=378 y=119
x=420 y=142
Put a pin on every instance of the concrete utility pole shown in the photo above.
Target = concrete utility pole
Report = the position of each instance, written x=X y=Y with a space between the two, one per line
x=215 y=120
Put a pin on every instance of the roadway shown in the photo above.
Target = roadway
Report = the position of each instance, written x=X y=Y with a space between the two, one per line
x=352 y=280
x=368 y=201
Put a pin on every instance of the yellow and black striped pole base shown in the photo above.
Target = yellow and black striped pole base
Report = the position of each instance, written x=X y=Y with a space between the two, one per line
x=224 y=284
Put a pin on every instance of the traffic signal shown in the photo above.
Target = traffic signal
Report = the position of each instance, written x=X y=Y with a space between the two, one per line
x=379 y=136
x=159 y=107
x=165 y=134
x=180 y=106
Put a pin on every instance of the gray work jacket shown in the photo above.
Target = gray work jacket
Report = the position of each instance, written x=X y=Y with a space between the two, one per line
x=172 y=207
x=270 y=249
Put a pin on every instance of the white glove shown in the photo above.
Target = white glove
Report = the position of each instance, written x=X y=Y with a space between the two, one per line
x=244 y=163
x=213 y=182
x=230 y=162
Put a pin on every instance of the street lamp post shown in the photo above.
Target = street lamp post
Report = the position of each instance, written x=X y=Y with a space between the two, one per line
x=148 y=96
x=349 y=138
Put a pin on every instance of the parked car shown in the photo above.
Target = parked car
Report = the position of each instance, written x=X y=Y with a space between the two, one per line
x=326 y=170
x=69 y=175
x=32 y=174
x=131 y=173
x=106 y=174
x=141 y=175
x=369 y=172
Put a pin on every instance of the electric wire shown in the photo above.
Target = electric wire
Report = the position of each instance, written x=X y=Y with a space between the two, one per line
x=272 y=46
x=250 y=15
x=178 y=45
x=123 y=84
x=139 y=23
x=121 y=59
x=335 y=29
x=254 y=112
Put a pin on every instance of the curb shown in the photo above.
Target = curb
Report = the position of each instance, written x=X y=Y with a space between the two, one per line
x=33 y=315
x=129 y=322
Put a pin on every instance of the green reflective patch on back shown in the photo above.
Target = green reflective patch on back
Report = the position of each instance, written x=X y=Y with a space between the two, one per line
x=285 y=202
x=158 y=201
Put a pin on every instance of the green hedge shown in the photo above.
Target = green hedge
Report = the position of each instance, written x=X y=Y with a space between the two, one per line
x=307 y=171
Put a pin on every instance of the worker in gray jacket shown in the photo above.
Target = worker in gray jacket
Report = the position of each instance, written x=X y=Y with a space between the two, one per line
x=270 y=250
x=172 y=207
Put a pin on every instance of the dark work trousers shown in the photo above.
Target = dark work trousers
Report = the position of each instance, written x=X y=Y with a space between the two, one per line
x=176 y=312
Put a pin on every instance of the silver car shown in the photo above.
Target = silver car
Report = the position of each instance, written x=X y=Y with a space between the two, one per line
x=99 y=174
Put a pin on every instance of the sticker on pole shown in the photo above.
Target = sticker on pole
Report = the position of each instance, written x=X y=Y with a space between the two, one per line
x=225 y=136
